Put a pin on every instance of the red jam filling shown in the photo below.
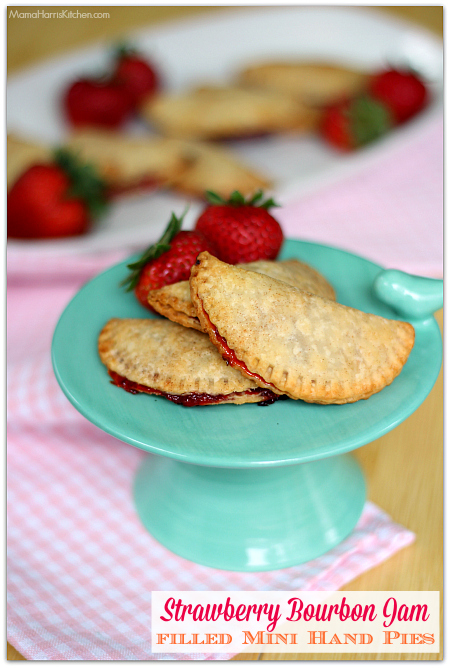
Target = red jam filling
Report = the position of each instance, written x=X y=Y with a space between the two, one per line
x=191 y=398
x=230 y=356
x=146 y=183
x=246 y=135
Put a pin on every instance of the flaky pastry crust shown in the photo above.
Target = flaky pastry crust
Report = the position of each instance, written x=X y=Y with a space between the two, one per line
x=212 y=167
x=21 y=155
x=222 y=112
x=305 y=346
x=190 y=167
x=162 y=355
x=315 y=84
x=174 y=301
x=125 y=161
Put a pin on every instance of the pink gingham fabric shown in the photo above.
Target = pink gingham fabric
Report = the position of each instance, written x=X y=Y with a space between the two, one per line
x=81 y=567
x=56 y=267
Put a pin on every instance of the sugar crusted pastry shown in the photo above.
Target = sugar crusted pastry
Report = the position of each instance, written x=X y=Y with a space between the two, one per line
x=163 y=358
x=315 y=84
x=293 y=342
x=213 y=112
x=127 y=162
x=174 y=301
x=212 y=167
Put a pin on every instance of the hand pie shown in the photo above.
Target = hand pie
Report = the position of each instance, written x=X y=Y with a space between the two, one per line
x=315 y=84
x=128 y=163
x=174 y=301
x=22 y=155
x=211 y=167
x=294 y=342
x=221 y=113
x=160 y=357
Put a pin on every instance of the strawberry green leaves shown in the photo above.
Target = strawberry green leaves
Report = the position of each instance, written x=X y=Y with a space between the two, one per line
x=237 y=199
x=84 y=180
x=153 y=252
x=369 y=119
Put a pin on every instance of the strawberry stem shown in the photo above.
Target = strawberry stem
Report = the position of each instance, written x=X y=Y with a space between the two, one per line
x=237 y=199
x=369 y=119
x=154 y=251
x=213 y=198
x=84 y=181
x=123 y=50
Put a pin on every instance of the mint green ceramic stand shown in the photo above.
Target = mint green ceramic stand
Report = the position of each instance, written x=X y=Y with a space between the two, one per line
x=250 y=519
x=251 y=488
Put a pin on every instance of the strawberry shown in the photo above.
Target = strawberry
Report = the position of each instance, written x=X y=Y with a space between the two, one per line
x=349 y=124
x=167 y=261
x=403 y=93
x=136 y=76
x=97 y=102
x=54 y=200
x=242 y=231
x=336 y=126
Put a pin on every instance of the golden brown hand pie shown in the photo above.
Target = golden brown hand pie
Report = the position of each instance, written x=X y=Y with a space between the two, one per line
x=174 y=301
x=294 y=342
x=220 y=113
x=212 y=167
x=127 y=163
x=163 y=358
x=22 y=154
x=315 y=84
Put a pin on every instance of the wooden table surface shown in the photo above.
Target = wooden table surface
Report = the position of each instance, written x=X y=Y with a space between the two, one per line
x=404 y=469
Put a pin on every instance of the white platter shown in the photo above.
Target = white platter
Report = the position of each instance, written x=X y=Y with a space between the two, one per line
x=212 y=48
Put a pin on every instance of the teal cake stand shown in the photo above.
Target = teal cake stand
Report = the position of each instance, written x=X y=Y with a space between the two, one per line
x=251 y=488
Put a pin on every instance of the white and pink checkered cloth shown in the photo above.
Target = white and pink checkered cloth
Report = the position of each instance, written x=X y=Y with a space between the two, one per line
x=81 y=567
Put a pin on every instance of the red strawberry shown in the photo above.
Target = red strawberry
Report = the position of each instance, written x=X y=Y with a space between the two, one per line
x=241 y=231
x=97 y=102
x=336 y=126
x=167 y=261
x=136 y=76
x=350 y=124
x=403 y=93
x=54 y=200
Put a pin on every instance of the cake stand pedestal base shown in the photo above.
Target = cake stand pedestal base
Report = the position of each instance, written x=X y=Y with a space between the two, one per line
x=250 y=519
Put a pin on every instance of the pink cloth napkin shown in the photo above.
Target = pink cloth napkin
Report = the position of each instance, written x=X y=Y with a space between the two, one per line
x=81 y=567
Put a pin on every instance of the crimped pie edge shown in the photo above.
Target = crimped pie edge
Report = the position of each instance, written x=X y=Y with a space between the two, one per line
x=309 y=391
x=111 y=354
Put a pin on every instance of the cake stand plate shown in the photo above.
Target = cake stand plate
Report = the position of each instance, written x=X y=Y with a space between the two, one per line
x=251 y=488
